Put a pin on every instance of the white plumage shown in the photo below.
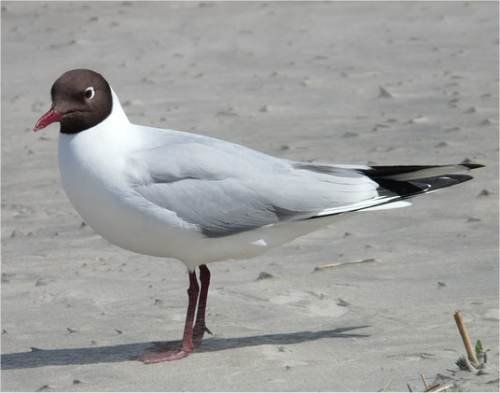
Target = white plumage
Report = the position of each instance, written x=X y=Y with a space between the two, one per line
x=198 y=199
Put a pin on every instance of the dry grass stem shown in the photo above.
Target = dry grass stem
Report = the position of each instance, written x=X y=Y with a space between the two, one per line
x=332 y=265
x=471 y=354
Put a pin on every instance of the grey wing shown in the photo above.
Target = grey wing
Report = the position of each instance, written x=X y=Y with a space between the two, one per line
x=226 y=189
x=218 y=207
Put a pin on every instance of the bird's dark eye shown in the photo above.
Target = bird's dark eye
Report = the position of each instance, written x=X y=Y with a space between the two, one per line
x=89 y=93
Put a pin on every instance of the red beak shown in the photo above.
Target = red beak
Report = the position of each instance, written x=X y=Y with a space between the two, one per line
x=50 y=117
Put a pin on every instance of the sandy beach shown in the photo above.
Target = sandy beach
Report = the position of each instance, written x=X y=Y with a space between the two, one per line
x=376 y=83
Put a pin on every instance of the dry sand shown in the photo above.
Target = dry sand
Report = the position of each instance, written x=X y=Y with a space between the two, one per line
x=295 y=80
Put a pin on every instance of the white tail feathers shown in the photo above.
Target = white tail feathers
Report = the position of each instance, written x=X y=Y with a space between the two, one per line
x=387 y=206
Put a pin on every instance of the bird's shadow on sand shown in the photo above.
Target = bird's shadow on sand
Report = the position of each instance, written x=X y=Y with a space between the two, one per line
x=119 y=353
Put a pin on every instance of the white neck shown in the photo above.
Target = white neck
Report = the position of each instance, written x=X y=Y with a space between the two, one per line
x=117 y=114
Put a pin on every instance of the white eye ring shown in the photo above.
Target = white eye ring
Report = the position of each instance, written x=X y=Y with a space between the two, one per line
x=89 y=93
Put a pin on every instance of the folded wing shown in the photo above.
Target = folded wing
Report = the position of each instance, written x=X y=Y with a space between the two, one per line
x=226 y=189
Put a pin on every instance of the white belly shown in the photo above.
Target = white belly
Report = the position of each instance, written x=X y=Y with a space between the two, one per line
x=93 y=181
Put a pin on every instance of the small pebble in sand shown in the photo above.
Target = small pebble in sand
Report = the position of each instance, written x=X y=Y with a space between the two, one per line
x=264 y=276
x=76 y=382
x=6 y=277
x=484 y=193
x=418 y=120
x=4 y=332
x=118 y=331
x=467 y=160
x=71 y=331
x=486 y=122
x=133 y=103
x=342 y=303
x=205 y=4
x=380 y=125
x=43 y=388
x=227 y=112
x=41 y=282
x=384 y=93
x=441 y=284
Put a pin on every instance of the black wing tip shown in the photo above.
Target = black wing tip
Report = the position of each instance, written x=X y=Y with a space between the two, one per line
x=388 y=170
x=411 y=188
x=471 y=165
x=438 y=182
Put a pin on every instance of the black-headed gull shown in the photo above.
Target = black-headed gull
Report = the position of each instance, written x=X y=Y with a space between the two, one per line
x=198 y=199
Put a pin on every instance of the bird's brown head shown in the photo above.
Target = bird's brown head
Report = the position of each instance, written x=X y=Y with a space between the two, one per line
x=81 y=99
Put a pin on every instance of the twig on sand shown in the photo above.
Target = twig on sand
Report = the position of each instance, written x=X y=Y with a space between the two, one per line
x=466 y=338
x=440 y=388
x=425 y=382
x=331 y=265
x=437 y=387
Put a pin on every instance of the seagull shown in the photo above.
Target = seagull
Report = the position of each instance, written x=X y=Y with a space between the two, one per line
x=199 y=199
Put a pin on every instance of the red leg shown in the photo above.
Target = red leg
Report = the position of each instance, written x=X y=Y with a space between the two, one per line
x=187 y=341
x=199 y=327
